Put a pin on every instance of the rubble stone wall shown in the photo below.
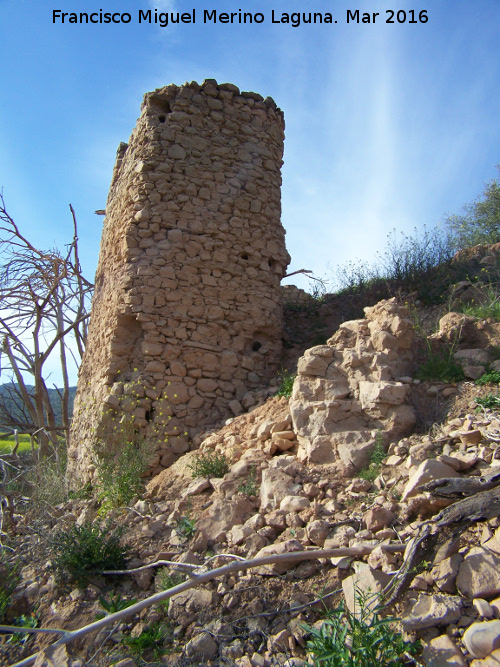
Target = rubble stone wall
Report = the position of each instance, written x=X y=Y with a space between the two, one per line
x=186 y=316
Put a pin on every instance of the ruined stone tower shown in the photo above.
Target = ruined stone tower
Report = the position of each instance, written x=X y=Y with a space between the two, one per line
x=186 y=316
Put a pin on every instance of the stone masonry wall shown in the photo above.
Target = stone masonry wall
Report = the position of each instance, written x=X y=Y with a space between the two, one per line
x=186 y=316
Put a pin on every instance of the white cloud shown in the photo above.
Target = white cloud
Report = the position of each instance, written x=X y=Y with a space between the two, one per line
x=162 y=5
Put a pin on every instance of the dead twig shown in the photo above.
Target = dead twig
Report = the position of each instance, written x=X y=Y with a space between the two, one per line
x=203 y=578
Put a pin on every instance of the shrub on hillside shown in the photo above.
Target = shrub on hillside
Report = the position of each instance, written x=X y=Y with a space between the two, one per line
x=480 y=222
x=80 y=552
x=209 y=465
x=119 y=478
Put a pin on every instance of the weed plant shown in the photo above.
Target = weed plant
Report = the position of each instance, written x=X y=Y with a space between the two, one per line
x=83 y=493
x=24 y=621
x=209 y=465
x=487 y=304
x=491 y=401
x=249 y=487
x=43 y=482
x=152 y=643
x=9 y=578
x=440 y=365
x=167 y=579
x=360 y=639
x=419 y=263
x=119 y=478
x=491 y=377
x=114 y=604
x=81 y=552
x=186 y=526
x=377 y=455
x=286 y=383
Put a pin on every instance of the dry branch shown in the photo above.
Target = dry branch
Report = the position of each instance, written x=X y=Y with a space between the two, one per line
x=44 y=299
x=296 y=556
x=430 y=537
x=480 y=507
x=464 y=485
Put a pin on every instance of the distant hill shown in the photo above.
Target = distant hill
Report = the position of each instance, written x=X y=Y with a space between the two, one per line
x=12 y=403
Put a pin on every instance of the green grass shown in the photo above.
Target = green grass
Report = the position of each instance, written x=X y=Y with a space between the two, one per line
x=440 y=365
x=378 y=454
x=362 y=639
x=483 y=311
x=7 y=444
x=485 y=305
x=167 y=579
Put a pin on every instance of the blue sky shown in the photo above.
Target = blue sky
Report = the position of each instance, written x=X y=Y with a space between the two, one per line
x=387 y=125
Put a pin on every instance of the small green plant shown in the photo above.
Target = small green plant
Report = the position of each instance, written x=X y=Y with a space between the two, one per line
x=167 y=579
x=151 y=643
x=24 y=621
x=9 y=578
x=487 y=304
x=491 y=401
x=370 y=473
x=360 y=639
x=377 y=455
x=209 y=465
x=491 y=377
x=249 y=487
x=186 y=526
x=83 y=493
x=286 y=383
x=45 y=482
x=83 y=551
x=114 y=604
x=440 y=365
x=120 y=478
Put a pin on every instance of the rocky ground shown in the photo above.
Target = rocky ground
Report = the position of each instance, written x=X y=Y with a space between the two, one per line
x=299 y=480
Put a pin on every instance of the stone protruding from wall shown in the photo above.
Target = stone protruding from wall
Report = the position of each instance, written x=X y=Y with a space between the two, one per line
x=349 y=389
x=186 y=316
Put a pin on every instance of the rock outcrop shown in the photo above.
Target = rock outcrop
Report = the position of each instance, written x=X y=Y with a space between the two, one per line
x=355 y=386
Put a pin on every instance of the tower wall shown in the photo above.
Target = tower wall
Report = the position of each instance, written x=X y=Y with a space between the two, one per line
x=186 y=316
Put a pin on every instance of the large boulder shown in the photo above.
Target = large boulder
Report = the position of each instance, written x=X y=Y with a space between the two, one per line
x=222 y=515
x=349 y=389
